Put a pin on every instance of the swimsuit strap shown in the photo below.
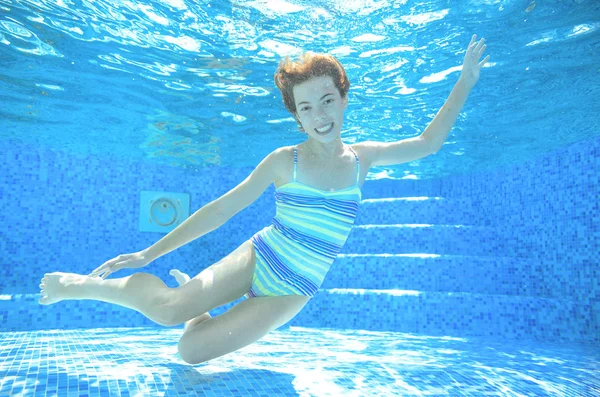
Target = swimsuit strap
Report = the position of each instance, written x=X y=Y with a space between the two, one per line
x=355 y=155
x=357 y=165
x=295 y=162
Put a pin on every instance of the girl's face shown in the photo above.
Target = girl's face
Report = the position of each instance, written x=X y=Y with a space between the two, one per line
x=320 y=108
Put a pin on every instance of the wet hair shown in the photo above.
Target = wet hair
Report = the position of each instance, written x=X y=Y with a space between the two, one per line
x=291 y=73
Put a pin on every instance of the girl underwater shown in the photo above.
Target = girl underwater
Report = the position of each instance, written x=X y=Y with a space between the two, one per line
x=318 y=191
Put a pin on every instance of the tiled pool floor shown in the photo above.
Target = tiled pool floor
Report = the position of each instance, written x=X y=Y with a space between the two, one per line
x=292 y=362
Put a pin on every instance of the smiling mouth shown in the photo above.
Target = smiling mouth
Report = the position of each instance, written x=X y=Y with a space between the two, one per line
x=325 y=129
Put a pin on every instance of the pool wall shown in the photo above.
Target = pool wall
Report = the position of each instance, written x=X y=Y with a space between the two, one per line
x=511 y=253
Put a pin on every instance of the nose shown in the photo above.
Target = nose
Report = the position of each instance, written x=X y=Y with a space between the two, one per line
x=319 y=114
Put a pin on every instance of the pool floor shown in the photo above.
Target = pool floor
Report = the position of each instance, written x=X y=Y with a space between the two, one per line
x=292 y=361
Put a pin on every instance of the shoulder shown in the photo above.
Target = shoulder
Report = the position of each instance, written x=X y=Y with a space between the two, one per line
x=365 y=152
x=282 y=155
x=283 y=162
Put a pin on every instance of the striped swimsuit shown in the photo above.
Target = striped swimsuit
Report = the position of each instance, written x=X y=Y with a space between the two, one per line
x=309 y=229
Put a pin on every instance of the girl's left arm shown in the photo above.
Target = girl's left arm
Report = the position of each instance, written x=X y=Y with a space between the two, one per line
x=434 y=136
x=439 y=128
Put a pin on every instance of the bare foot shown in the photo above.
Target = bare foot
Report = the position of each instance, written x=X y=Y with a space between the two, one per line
x=58 y=286
x=181 y=278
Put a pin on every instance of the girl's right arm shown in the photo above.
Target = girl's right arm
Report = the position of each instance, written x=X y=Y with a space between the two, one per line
x=216 y=213
x=203 y=221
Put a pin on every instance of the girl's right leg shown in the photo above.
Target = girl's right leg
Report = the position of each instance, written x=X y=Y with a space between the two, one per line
x=183 y=279
x=221 y=283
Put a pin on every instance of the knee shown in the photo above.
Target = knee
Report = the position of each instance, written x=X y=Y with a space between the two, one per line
x=170 y=315
x=190 y=359
x=167 y=310
x=191 y=354
x=168 y=320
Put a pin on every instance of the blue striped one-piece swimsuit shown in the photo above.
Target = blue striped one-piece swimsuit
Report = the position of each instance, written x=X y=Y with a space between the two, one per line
x=309 y=229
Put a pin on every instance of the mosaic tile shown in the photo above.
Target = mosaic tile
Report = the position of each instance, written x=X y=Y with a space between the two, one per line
x=293 y=361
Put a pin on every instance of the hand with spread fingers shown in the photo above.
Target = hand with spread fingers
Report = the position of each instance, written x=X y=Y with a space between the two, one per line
x=125 y=261
x=470 y=70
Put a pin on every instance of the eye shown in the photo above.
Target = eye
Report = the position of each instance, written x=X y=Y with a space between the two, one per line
x=328 y=101
x=304 y=108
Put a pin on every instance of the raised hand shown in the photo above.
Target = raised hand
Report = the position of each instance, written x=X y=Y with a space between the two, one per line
x=470 y=70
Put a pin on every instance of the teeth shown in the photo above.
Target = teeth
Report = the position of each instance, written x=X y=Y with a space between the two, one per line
x=323 y=129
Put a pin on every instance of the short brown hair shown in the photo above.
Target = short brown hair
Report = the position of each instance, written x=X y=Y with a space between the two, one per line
x=291 y=73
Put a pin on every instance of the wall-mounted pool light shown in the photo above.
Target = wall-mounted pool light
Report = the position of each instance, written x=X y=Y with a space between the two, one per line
x=163 y=211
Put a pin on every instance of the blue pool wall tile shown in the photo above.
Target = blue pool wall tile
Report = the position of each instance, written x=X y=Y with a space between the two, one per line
x=71 y=213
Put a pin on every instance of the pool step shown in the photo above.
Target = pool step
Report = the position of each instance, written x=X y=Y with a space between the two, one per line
x=457 y=314
x=446 y=313
x=424 y=209
x=446 y=239
x=441 y=273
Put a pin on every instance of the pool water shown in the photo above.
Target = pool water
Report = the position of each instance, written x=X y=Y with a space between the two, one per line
x=470 y=272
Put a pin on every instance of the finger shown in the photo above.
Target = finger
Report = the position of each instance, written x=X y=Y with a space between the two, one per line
x=471 y=43
x=96 y=272
x=473 y=38
x=100 y=269
x=484 y=61
x=110 y=271
x=480 y=48
x=106 y=265
x=480 y=52
x=470 y=48
x=112 y=261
